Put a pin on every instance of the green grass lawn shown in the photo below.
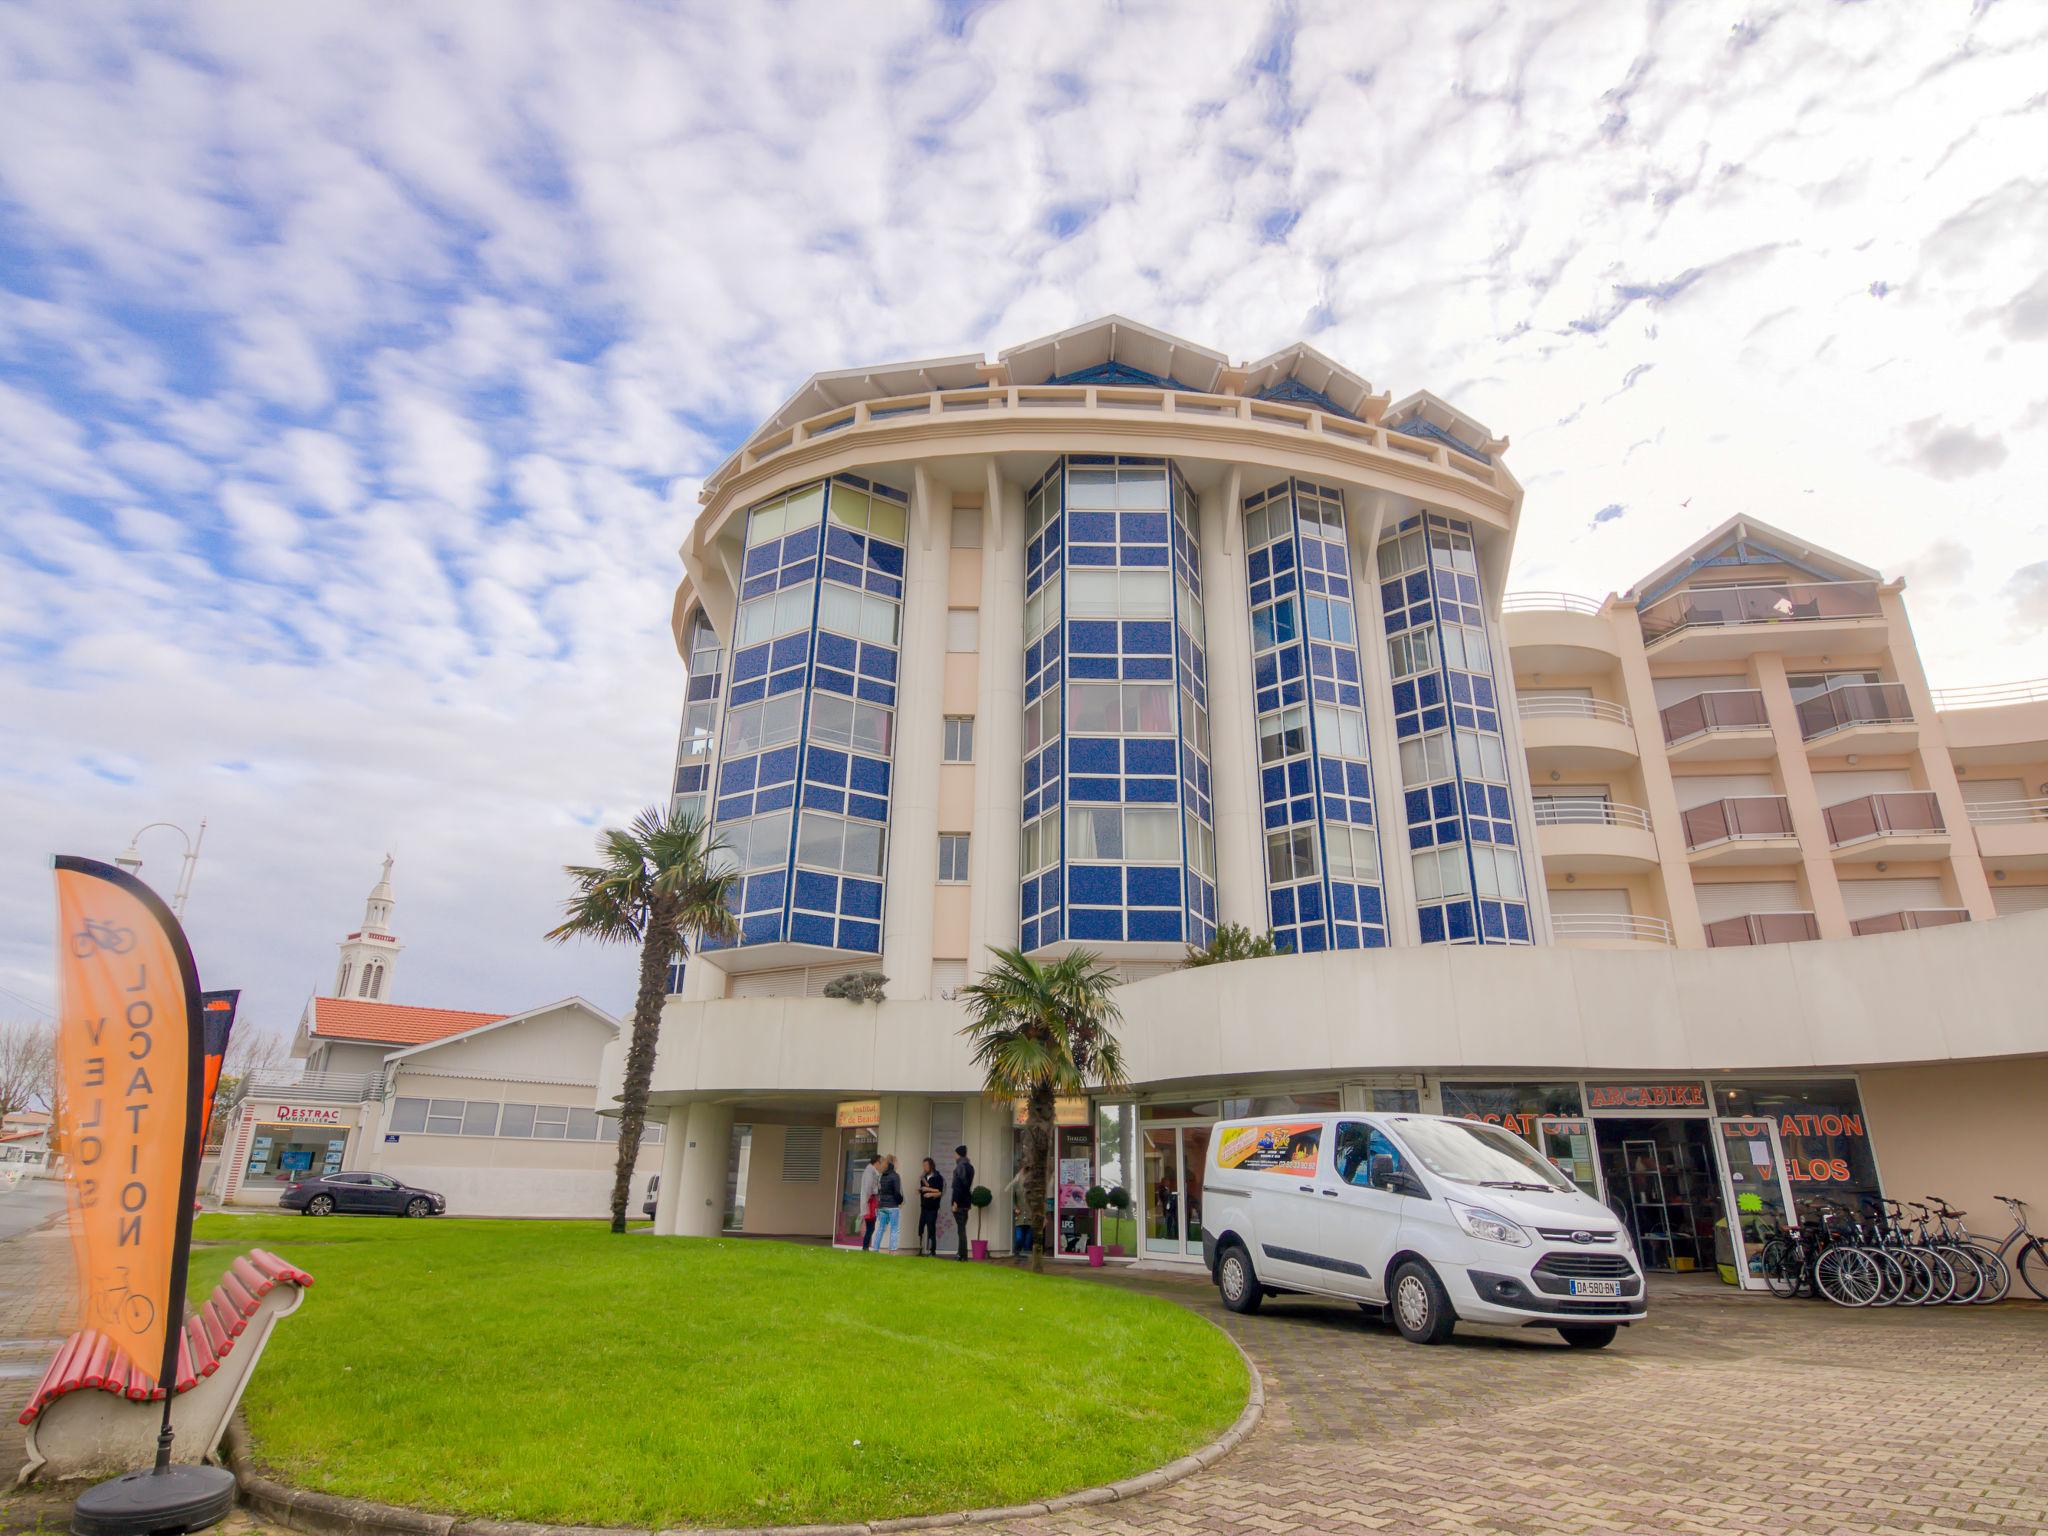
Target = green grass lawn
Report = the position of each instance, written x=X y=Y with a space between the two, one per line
x=550 y=1371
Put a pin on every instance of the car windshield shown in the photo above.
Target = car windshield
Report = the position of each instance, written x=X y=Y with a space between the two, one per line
x=1471 y=1152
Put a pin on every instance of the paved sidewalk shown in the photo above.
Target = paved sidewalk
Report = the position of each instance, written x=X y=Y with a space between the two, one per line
x=35 y=1317
x=1725 y=1414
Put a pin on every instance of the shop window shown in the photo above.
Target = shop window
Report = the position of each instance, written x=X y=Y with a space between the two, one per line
x=1820 y=1126
x=409 y=1115
x=444 y=1117
x=1517 y=1106
x=516 y=1121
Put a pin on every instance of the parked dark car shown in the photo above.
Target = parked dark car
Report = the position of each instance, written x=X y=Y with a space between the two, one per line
x=363 y=1194
x=653 y=1188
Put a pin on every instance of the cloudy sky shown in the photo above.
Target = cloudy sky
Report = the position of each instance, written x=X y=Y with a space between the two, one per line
x=359 y=364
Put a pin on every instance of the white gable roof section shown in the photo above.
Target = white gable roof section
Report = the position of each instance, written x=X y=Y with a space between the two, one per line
x=581 y=1004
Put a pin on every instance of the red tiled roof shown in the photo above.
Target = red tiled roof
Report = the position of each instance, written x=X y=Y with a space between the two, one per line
x=355 y=1018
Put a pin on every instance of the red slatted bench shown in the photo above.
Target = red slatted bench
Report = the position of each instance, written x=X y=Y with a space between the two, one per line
x=77 y=1437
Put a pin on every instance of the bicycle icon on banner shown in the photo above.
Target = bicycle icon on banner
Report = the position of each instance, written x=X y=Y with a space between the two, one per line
x=117 y=1304
x=98 y=935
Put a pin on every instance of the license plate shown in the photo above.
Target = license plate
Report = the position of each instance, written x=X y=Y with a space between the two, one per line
x=1596 y=1287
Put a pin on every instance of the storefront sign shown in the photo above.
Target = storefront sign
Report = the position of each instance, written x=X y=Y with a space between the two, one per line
x=1064 y=1111
x=1646 y=1096
x=299 y=1114
x=859 y=1112
x=1285 y=1148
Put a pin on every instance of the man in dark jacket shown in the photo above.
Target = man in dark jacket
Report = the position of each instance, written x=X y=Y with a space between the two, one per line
x=962 y=1197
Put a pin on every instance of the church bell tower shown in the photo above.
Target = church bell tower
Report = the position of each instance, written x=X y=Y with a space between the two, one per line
x=367 y=955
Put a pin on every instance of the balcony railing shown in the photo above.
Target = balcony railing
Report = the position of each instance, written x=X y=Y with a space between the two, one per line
x=1736 y=819
x=1624 y=926
x=1906 y=813
x=314 y=1087
x=2008 y=813
x=1777 y=602
x=1553 y=706
x=1845 y=704
x=1762 y=928
x=1718 y=709
x=1900 y=922
x=1565 y=811
x=1988 y=695
x=1549 y=602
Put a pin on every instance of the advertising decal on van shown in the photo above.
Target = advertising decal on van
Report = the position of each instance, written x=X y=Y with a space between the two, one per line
x=1288 y=1147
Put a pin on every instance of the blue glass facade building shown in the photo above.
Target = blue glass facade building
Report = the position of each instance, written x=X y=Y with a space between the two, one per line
x=1118 y=840
x=803 y=773
x=1315 y=777
x=1470 y=885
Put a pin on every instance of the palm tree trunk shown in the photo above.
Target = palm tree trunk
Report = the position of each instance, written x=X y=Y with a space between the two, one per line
x=1038 y=1138
x=654 y=959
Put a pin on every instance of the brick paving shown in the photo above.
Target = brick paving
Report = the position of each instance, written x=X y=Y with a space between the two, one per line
x=1725 y=1415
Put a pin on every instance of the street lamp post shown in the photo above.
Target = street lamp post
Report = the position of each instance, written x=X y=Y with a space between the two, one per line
x=130 y=859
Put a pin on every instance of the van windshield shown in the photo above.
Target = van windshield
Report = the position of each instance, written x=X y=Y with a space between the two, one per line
x=1471 y=1152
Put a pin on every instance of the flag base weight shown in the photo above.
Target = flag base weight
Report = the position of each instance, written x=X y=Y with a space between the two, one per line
x=177 y=1499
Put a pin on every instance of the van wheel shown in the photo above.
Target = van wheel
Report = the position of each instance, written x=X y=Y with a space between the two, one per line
x=1419 y=1306
x=1590 y=1335
x=1235 y=1280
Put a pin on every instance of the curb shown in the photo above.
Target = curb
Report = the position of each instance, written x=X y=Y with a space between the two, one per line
x=324 y=1514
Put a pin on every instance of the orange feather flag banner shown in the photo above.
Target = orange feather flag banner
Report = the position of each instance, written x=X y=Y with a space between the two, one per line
x=130 y=1073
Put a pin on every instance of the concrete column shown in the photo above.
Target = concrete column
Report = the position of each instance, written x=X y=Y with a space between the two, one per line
x=1802 y=798
x=1233 y=718
x=914 y=772
x=1493 y=575
x=674 y=1138
x=999 y=724
x=1937 y=767
x=1660 y=797
x=700 y=1178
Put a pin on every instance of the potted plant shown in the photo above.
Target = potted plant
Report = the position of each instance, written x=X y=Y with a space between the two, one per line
x=1120 y=1202
x=982 y=1197
x=1098 y=1200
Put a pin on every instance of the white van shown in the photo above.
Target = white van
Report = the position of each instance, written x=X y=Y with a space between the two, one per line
x=1435 y=1219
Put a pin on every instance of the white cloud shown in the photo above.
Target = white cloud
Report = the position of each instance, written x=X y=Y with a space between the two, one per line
x=357 y=380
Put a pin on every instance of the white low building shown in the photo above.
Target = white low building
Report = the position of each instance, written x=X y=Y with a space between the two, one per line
x=498 y=1112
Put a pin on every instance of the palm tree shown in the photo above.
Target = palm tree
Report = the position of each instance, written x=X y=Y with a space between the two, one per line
x=657 y=885
x=1041 y=1031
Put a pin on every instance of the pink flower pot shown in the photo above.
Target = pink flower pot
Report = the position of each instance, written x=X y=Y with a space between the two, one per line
x=1095 y=1255
x=979 y=1248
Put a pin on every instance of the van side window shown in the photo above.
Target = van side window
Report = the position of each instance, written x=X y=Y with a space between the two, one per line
x=1357 y=1145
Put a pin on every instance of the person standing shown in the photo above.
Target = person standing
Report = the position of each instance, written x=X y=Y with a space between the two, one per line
x=931 y=1184
x=870 y=1184
x=961 y=1197
x=889 y=1203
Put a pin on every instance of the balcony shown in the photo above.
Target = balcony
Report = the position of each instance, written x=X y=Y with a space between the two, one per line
x=1560 y=633
x=1745 y=829
x=1886 y=826
x=1720 y=723
x=1857 y=717
x=2012 y=834
x=1616 y=930
x=1762 y=928
x=1902 y=922
x=1571 y=734
x=1723 y=623
x=1588 y=837
x=312 y=1087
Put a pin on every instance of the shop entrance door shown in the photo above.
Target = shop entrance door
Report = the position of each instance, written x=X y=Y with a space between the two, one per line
x=1567 y=1140
x=856 y=1146
x=1758 y=1192
x=1176 y=1158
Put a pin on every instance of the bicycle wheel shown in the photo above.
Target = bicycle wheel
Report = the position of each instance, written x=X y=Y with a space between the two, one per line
x=1919 y=1277
x=1970 y=1279
x=1779 y=1262
x=1997 y=1276
x=1944 y=1278
x=2033 y=1266
x=1891 y=1276
x=1847 y=1276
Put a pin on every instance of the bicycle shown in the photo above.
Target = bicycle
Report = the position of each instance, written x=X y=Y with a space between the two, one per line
x=97 y=935
x=2030 y=1260
x=1994 y=1279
